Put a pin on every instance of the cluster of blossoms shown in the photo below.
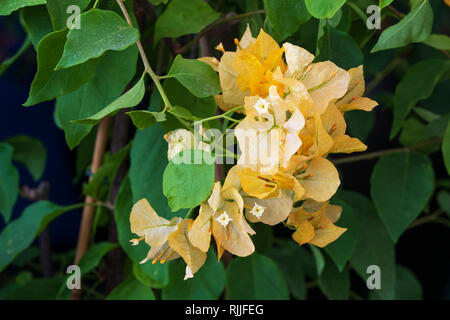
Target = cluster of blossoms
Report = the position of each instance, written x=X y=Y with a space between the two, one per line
x=293 y=108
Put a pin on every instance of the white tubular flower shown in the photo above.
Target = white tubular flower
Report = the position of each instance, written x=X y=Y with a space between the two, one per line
x=262 y=106
x=257 y=211
x=224 y=219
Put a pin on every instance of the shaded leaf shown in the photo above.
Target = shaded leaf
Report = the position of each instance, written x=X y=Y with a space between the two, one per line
x=334 y=284
x=286 y=17
x=94 y=255
x=438 y=41
x=255 y=278
x=30 y=152
x=36 y=22
x=341 y=250
x=409 y=91
x=180 y=19
x=58 y=11
x=323 y=8
x=401 y=186
x=20 y=233
x=9 y=186
x=131 y=289
x=288 y=257
x=9 y=6
x=143 y=119
x=374 y=246
x=208 y=283
x=446 y=148
x=339 y=47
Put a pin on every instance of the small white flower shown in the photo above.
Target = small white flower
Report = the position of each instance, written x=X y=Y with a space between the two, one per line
x=257 y=210
x=189 y=274
x=135 y=242
x=262 y=106
x=223 y=219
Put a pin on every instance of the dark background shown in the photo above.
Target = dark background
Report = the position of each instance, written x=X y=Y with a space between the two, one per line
x=425 y=249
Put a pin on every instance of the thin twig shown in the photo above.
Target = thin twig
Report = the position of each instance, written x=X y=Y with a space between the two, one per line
x=377 y=154
x=396 y=12
x=382 y=74
x=215 y=24
x=429 y=218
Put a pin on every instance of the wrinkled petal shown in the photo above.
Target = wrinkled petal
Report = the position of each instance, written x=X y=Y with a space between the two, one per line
x=320 y=180
x=346 y=144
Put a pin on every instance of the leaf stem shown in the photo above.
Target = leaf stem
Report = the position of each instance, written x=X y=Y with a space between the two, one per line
x=377 y=154
x=96 y=4
x=215 y=24
x=148 y=68
x=429 y=218
x=223 y=115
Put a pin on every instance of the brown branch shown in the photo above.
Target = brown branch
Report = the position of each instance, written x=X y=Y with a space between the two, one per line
x=397 y=13
x=377 y=154
x=88 y=211
x=382 y=74
x=215 y=24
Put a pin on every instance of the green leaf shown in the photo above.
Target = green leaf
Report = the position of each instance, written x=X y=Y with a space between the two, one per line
x=180 y=19
x=341 y=251
x=446 y=148
x=131 y=289
x=94 y=255
x=443 y=199
x=114 y=71
x=129 y=99
x=384 y=3
x=208 y=283
x=188 y=179
x=107 y=171
x=374 y=246
x=286 y=16
x=401 y=186
x=58 y=11
x=101 y=31
x=198 y=107
x=36 y=22
x=156 y=2
x=288 y=257
x=414 y=27
x=39 y=289
x=409 y=91
x=30 y=152
x=319 y=259
x=182 y=113
x=9 y=186
x=334 y=284
x=142 y=119
x=255 y=278
x=197 y=76
x=8 y=62
x=339 y=47
x=438 y=41
x=408 y=287
x=9 y=6
x=323 y=8
x=20 y=233
x=148 y=162
x=157 y=273
x=48 y=83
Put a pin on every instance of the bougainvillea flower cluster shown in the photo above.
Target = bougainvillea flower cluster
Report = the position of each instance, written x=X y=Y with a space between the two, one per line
x=296 y=106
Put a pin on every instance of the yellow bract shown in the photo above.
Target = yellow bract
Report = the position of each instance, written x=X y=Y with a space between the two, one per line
x=293 y=119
